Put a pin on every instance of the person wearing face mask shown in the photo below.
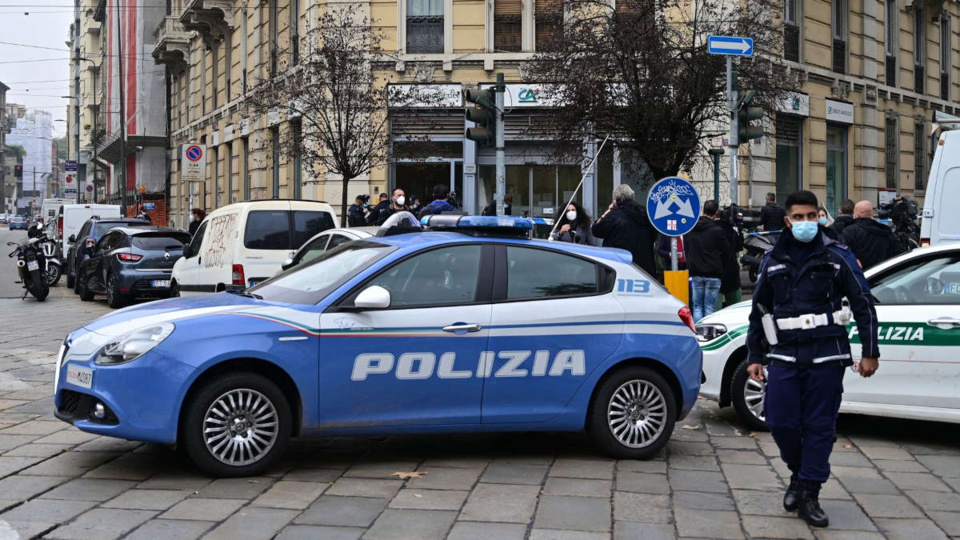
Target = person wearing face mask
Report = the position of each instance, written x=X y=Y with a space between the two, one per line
x=196 y=217
x=575 y=225
x=809 y=287
x=491 y=208
x=398 y=203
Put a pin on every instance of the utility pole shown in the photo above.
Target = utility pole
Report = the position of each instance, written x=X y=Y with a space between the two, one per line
x=501 y=167
x=733 y=88
x=76 y=96
x=123 y=121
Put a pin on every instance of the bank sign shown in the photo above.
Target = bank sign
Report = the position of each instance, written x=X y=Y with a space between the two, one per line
x=839 y=111
x=193 y=162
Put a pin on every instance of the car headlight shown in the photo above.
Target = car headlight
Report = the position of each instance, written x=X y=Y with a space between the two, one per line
x=133 y=345
x=710 y=332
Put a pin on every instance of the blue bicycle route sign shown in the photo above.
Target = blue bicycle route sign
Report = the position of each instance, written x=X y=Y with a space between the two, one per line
x=673 y=206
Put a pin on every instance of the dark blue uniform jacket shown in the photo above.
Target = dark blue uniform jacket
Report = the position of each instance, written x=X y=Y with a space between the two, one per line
x=788 y=288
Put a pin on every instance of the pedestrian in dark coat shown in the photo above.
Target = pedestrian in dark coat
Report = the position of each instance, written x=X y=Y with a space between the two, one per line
x=843 y=220
x=574 y=227
x=441 y=202
x=708 y=254
x=871 y=241
x=625 y=225
x=196 y=217
x=663 y=249
x=771 y=215
x=730 y=286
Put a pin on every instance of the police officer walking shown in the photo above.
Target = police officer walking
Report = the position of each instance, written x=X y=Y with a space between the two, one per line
x=808 y=288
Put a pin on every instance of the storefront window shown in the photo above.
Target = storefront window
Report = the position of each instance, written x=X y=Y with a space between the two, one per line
x=788 y=156
x=836 y=167
x=537 y=190
x=419 y=178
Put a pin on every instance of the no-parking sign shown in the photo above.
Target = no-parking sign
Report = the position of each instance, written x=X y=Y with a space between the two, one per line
x=193 y=162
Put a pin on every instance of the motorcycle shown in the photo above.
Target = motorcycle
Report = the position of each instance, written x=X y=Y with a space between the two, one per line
x=756 y=245
x=54 y=268
x=31 y=266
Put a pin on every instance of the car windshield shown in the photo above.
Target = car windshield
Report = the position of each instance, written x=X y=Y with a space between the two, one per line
x=308 y=283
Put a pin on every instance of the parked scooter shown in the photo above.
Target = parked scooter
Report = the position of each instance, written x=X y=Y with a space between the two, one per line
x=31 y=265
x=756 y=245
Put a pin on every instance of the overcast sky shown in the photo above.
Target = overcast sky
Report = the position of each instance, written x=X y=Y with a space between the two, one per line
x=34 y=83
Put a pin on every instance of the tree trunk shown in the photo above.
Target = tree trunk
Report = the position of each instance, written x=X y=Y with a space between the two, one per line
x=343 y=201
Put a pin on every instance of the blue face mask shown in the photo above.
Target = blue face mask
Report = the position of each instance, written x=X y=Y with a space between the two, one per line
x=822 y=221
x=804 y=231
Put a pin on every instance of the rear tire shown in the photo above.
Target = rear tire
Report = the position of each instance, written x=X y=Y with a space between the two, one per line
x=748 y=398
x=174 y=290
x=38 y=286
x=86 y=295
x=71 y=281
x=115 y=299
x=220 y=448
x=633 y=413
x=53 y=274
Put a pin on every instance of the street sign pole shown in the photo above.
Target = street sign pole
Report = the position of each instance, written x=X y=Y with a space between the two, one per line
x=674 y=262
x=501 y=166
x=732 y=105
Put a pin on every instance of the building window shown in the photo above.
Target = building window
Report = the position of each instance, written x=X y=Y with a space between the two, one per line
x=919 y=156
x=203 y=81
x=840 y=36
x=275 y=139
x=228 y=65
x=274 y=35
x=228 y=161
x=243 y=54
x=549 y=22
x=424 y=26
x=297 y=161
x=215 y=73
x=892 y=20
x=215 y=196
x=891 y=148
x=295 y=32
x=791 y=30
x=919 y=49
x=508 y=25
x=836 y=167
x=246 y=169
x=789 y=158
x=945 y=61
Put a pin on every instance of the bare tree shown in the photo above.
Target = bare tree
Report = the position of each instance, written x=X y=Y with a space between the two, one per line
x=333 y=93
x=639 y=70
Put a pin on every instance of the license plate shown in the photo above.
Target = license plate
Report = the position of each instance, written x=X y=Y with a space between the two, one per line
x=33 y=265
x=79 y=376
x=160 y=283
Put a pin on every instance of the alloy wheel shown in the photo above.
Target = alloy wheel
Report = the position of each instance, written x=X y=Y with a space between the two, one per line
x=637 y=413
x=240 y=427
x=754 y=395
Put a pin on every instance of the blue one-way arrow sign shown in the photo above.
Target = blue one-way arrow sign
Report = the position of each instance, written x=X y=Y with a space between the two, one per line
x=730 y=45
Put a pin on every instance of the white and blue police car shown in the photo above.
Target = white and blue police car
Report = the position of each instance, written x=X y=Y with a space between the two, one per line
x=465 y=325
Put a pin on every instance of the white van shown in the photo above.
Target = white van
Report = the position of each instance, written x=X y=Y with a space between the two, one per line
x=72 y=216
x=50 y=211
x=242 y=244
x=941 y=221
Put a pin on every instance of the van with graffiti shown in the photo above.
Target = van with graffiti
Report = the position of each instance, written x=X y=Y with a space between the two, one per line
x=242 y=244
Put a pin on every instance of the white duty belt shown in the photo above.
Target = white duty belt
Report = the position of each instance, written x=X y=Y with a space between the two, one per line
x=810 y=321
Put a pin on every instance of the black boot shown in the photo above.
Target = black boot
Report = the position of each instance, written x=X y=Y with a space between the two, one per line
x=809 y=509
x=791 y=499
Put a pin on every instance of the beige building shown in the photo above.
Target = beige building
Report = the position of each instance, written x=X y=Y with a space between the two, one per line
x=871 y=75
x=859 y=126
x=85 y=65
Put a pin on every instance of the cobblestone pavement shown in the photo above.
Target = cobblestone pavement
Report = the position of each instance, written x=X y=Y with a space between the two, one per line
x=891 y=479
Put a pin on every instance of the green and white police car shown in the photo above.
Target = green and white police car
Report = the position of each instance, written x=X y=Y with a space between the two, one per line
x=917 y=297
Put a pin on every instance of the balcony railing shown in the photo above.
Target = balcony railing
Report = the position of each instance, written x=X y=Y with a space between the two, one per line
x=424 y=34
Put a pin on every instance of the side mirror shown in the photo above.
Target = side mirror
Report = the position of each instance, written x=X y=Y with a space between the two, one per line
x=187 y=251
x=287 y=264
x=72 y=238
x=375 y=297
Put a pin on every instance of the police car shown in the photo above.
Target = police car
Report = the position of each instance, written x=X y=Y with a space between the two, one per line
x=467 y=326
x=917 y=298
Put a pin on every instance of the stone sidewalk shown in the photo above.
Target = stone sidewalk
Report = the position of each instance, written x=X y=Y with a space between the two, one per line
x=892 y=479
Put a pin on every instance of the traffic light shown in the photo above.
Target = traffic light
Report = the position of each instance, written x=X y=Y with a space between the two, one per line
x=746 y=114
x=484 y=114
x=18 y=171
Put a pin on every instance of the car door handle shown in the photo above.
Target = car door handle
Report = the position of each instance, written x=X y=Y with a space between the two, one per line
x=462 y=328
x=944 y=321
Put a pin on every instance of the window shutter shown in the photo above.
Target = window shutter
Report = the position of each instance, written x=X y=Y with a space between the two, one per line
x=507 y=25
x=549 y=21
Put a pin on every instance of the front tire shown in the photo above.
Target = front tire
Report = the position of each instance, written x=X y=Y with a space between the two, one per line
x=86 y=295
x=236 y=425
x=53 y=274
x=71 y=281
x=748 y=397
x=633 y=413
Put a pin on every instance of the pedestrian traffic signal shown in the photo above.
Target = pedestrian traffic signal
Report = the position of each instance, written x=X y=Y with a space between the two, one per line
x=18 y=171
x=746 y=114
x=484 y=114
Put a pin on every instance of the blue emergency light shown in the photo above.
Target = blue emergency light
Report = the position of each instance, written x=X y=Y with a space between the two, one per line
x=504 y=226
